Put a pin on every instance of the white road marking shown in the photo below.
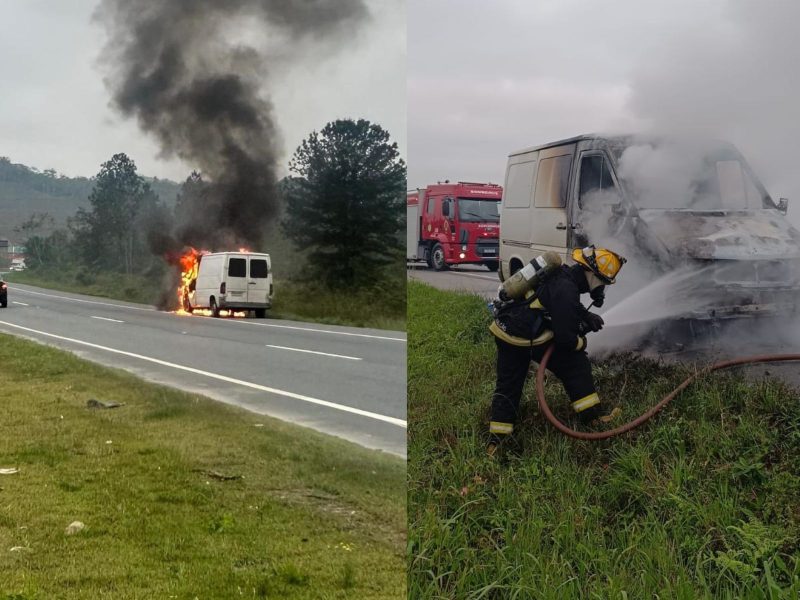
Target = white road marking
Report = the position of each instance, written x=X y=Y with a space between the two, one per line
x=20 y=303
x=147 y=308
x=106 y=319
x=161 y=312
x=364 y=335
x=312 y=352
x=256 y=386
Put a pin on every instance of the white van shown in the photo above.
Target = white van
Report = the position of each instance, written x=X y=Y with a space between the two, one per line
x=233 y=281
x=627 y=193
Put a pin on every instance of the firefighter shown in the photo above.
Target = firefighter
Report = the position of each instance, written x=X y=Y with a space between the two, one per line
x=553 y=313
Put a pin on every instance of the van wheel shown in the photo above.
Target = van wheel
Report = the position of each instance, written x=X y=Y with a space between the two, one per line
x=214 y=308
x=515 y=266
x=437 y=258
x=492 y=265
x=261 y=313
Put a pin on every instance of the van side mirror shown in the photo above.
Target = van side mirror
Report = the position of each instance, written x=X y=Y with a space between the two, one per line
x=783 y=205
x=446 y=208
x=617 y=209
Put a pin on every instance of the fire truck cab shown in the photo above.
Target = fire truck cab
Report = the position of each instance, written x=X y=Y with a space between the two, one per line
x=454 y=223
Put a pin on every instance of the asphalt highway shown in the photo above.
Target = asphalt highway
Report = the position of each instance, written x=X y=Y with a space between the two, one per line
x=345 y=381
x=462 y=278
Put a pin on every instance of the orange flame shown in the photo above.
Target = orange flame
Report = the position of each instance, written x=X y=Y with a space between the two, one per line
x=189 y=263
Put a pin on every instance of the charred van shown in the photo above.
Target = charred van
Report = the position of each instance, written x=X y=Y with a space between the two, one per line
x=669 y=202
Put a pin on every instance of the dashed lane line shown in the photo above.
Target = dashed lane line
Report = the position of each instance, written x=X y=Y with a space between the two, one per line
x=256 y=386
x=312 y=352
x=154 y=310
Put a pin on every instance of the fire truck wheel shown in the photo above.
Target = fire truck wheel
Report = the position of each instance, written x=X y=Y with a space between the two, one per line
x=492 y=265
x=214 y=308
x=437 y=258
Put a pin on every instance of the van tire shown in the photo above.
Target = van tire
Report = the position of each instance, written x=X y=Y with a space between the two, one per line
x=493 y=266
x=514 y=266
x=212 y=304
x=437 y=258
x=261 y=313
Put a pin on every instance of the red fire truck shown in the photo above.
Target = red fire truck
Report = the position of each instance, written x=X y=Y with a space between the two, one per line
x=454 y=223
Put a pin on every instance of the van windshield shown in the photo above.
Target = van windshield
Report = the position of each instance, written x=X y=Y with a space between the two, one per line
x=478 y=210
x=688 y=176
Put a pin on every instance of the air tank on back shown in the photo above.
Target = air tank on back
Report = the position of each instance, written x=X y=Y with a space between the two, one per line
x=529 y=277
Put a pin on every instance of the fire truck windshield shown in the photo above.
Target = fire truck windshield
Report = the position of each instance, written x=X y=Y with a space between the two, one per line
x=478 y=210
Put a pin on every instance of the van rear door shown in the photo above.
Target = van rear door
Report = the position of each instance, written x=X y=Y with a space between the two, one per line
x=236 y=281
x=258 y=284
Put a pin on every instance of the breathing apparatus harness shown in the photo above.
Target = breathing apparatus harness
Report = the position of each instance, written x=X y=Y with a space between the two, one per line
x=524 y=286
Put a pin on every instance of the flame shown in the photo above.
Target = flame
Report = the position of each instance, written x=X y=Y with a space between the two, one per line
x=189 y=262
x=245 y=250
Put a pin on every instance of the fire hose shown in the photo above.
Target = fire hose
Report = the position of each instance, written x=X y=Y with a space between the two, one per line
x=602 y=435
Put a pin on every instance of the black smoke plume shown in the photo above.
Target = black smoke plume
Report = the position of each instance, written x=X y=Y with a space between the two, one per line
x=180 y=69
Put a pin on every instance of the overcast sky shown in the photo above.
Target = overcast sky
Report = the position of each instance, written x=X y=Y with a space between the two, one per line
x=54 y=107
x=493 y=77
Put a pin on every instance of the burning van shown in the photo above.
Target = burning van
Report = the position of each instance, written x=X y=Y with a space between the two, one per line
x=666 y=204
x=226 y=281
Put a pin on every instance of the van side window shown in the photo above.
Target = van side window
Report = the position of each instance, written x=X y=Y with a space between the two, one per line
x=519 y=185
x=595 y=177
x=258 y=268
x=551 y=184
x=237 y=267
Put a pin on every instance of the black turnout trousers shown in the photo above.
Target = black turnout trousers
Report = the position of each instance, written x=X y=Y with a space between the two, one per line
x=513 y=362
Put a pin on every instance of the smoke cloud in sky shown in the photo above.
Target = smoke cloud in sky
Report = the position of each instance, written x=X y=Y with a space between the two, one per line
x=175 y=68
x=538 y=72
x=732 y=76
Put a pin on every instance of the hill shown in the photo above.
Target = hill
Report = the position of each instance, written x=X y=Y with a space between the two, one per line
x=25 y=190
x=699 y=503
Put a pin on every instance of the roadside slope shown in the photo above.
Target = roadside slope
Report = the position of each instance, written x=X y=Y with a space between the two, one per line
x=700 y=503
x=182 y=496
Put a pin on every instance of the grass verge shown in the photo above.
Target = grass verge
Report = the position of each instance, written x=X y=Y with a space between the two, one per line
x=700 y=503
x=303 y=516
x=380 y=307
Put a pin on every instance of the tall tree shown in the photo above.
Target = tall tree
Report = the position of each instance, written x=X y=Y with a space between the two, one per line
x=346 y=201
x=108 y=234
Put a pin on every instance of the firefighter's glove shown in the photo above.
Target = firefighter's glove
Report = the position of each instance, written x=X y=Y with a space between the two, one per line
x=598 y=295
x=593 y=322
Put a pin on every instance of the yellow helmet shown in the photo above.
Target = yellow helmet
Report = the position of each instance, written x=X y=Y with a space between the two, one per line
x=603 y=263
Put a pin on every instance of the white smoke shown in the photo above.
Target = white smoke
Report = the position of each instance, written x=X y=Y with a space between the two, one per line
x=732 y=77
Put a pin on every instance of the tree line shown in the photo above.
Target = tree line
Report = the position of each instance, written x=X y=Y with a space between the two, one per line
x=343 y=206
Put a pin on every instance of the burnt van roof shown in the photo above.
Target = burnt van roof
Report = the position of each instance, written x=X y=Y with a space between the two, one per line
x=574 y=140
x=620 y=141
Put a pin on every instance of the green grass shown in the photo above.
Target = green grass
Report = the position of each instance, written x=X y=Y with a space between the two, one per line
x=700 y=503
x=311 y=516
x=118 y=286
x=380 y=307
